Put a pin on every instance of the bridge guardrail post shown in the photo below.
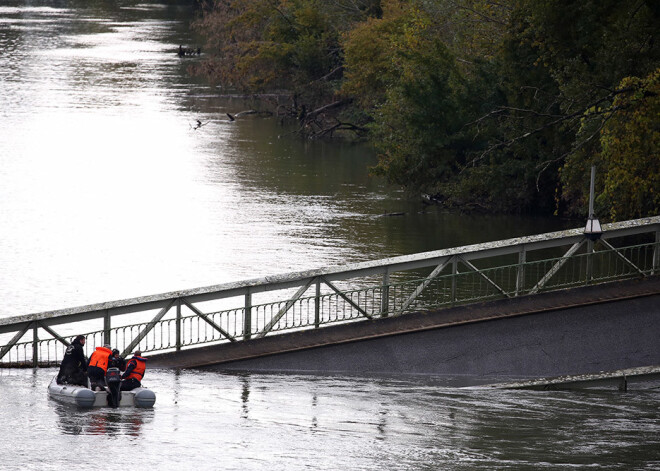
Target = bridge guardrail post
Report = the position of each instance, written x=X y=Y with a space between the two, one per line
x=247 y=316
x=656 y=254
x=520 y=279
x=385 y=296
x=317 y=304
x=35 y=345
x=454 y=275
x=590 y=261
x=178 y=326
x=107 y=325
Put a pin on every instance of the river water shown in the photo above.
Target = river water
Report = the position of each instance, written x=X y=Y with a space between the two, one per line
x=110 y=189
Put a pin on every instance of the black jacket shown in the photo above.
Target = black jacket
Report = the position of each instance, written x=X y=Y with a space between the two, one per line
x=117 y=362
x=74 y=359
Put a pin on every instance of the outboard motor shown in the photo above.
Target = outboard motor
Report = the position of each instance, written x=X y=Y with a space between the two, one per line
x=113 y=380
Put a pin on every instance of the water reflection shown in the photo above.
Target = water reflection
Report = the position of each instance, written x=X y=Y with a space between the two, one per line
x=245 y=394
x=382 y=424
x=103 y=421
x=314 y=419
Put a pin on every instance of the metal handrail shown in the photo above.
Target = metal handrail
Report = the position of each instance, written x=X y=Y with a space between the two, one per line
x=455 y=279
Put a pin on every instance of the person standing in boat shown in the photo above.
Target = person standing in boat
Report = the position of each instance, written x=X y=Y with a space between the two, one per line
x=98 y=366
x=73 y=369
x=132 y=377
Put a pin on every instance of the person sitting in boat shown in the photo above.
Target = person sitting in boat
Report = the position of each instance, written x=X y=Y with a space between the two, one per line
x=132 y=377
x=73 y=369
x=117 y=361
x=98 y=366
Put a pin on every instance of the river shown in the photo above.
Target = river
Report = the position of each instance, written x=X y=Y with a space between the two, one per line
x=110 y=188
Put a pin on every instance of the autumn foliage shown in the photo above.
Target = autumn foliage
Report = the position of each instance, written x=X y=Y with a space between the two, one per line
x=489 y=105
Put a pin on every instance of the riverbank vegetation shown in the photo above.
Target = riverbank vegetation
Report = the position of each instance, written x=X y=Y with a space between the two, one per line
x=484 y=105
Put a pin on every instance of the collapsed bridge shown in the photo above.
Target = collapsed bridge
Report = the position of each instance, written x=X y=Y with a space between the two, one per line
x=559 y=296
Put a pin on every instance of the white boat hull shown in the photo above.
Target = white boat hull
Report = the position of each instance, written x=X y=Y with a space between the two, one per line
x=85 y=397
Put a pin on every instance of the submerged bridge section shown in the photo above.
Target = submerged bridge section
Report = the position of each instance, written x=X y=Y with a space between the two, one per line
x=605 y=327
x=440 y=297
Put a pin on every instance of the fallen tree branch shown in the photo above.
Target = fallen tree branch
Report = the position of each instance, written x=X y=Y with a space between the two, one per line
x=312 y=115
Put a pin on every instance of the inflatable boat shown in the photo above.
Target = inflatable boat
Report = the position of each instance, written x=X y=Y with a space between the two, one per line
x=85 y=397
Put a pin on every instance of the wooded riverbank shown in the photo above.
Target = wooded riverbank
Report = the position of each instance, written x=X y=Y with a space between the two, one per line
x=498 y=106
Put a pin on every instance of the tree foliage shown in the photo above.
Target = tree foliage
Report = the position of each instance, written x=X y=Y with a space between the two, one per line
x=630 y=142
x=501 y=105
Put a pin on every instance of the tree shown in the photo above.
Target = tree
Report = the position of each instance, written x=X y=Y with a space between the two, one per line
x=630 y=143
x=587 y=49
x=286 y=46
x=502 y=105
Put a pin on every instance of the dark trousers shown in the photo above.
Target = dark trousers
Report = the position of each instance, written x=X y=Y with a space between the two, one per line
x=130 y=384
x=96 y=376
x=76 y=377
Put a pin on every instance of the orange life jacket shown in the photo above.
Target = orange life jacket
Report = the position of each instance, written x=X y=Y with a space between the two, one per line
x=140 y=366
x=100 y=358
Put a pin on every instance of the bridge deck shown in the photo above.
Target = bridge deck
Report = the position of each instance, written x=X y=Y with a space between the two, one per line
x=620 y=379
x=416 y=322
x=406 y=295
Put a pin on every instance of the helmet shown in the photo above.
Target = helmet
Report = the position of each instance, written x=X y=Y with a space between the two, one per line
x=115 y=352
x=106 y=346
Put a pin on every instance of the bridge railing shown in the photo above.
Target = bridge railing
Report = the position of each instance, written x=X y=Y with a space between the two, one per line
x=313 y=299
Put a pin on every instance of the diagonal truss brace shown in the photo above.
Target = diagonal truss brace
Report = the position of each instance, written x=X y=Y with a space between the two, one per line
x=136 y=341
x=621 y=256
x=268 y=327
x=557 y=266
x=436 y=271
x=15 y=339
x=22 y=332
x=55 y=335
x=347 y=299
x=205 y=317
x=481 y=274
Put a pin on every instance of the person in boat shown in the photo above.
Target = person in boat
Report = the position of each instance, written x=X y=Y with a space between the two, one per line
x=117 y=361
x=132 y=377
x=73 y=369
x=98 y=366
